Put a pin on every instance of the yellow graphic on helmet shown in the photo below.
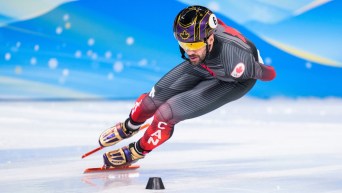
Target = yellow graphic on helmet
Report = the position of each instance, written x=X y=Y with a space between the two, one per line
x=184 y=35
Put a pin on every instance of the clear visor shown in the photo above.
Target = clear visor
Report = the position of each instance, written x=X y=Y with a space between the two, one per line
x=192 y=45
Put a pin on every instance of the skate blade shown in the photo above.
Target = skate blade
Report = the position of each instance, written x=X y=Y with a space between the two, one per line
x=103 y=169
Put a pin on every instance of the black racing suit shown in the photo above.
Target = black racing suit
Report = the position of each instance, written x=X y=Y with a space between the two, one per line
x=187 y=91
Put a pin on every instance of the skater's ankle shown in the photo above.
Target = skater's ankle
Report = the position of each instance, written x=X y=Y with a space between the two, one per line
x=139 y=149
x=132 y=126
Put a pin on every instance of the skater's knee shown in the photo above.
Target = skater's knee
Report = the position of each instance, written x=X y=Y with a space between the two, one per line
x=164 y=113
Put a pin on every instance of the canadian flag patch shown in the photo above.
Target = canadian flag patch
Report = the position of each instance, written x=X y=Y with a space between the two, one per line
x=238 y=70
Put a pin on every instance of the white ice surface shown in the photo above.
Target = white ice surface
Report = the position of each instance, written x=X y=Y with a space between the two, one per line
x=250 y=146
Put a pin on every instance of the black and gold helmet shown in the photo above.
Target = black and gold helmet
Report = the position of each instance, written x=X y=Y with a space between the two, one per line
x=194 y=24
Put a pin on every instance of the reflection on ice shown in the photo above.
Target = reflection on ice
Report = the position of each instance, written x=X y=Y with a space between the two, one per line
x=110 y=179
x=280 y=146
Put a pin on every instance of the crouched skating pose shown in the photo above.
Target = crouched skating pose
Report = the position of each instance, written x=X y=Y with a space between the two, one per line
x=220 y=65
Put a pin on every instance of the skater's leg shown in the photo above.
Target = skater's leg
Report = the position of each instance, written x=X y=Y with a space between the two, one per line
x=205 y=97
x=178 y=80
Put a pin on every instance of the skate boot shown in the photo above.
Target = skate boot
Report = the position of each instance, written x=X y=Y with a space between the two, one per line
x=124 y=156
x=115 y=134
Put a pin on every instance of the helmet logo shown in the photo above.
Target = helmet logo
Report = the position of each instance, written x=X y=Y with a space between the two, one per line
x=212 y=21
x=184 y=35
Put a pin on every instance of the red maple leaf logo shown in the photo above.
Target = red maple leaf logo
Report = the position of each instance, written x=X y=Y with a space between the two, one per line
x=239 y=69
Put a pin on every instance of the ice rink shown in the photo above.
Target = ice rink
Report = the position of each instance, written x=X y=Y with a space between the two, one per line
x=248 y=146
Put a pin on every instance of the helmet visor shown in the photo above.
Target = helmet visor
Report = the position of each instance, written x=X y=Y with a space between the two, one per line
x=192 y=45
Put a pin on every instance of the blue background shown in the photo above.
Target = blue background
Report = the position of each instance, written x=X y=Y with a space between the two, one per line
x=105 y=49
